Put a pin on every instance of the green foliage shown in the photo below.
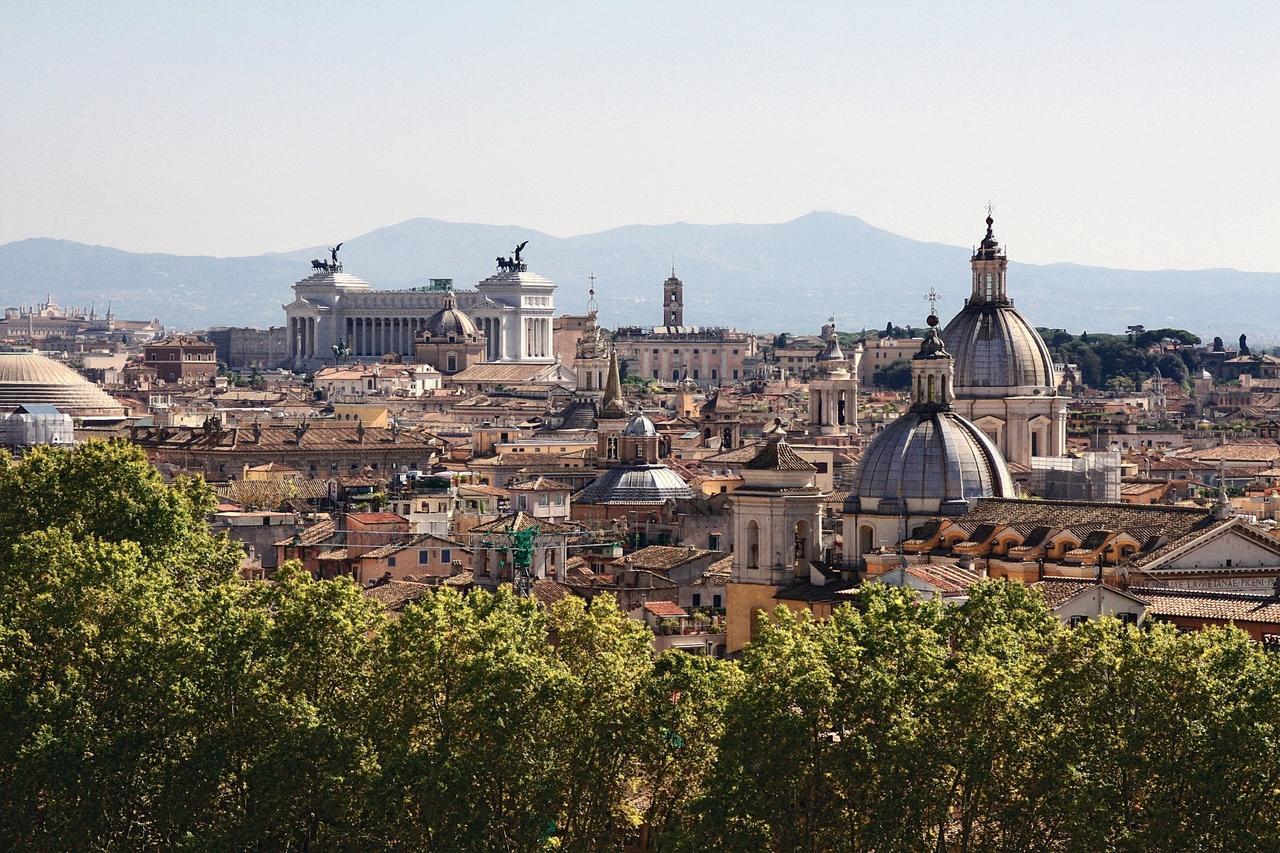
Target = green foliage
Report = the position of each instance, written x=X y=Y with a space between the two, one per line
x=1103 y=358
x=109 y=491
x=149 y=707
x=895 y=376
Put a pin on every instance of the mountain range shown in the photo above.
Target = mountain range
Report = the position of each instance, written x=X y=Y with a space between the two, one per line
x=785 y=276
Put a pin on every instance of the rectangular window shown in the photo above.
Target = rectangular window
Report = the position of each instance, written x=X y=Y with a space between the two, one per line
x=424 y=557
x=715 y=601
x=391 y=562
x=713 y=541
x=821 y=466
x=715 y=374
x=695 y=373
x=446 y=556
x=735 y=374
x=697 y=599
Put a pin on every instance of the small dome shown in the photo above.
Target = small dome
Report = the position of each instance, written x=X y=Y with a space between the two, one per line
x=450 y=321
x=639 y=484
x=931 y=456
x=995 y=349
x=641 y=426
x=30 y=378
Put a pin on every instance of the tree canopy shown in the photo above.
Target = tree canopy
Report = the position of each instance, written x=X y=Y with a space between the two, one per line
x=152 y=701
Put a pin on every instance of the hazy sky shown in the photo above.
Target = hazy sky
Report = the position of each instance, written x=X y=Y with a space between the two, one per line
x=1114 y=133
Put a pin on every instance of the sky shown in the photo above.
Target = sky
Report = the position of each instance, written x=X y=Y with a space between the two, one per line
x=1137 y=135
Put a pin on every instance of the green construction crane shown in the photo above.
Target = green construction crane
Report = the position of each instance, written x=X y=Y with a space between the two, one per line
x=522 y=559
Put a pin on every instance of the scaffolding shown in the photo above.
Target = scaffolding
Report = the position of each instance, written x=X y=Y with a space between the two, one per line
x=1094 y=476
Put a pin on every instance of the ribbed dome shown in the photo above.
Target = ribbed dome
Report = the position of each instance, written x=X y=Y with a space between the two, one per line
x=996 y=349
x=931 y=456
x=28 y=377
x=450 y=321
x=639 y=484
x=640 y=425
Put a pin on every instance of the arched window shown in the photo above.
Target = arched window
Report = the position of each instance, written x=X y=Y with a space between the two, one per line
x=753 y=545
x=802 y=546
x=611 y=447
x=866 y=538
x=933 y=390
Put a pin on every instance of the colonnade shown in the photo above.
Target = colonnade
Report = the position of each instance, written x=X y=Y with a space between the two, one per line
x=376 y=336
x=537 y=337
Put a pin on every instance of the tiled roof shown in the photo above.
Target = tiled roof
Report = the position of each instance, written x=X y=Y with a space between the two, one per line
x=541 y=484
x=375 y=517
x=1058 y=591
x=720 y=571
x=337 y=555
x=1225 y=606
x=522 y=521
x=412 y=542
x=1177 y=525
x=778 y=456
x=665 y=609
x=947 y=579
x=1242 y=450
x=548 y=592
x=481 y=489
x=739 y=455
x=394 y=595
x=662 y=557
x=504 y=372
x=278 y=438
x=315 y=534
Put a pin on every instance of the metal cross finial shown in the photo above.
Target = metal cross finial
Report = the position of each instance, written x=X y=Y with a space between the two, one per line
x=932 y=298
x=990 y=208
x=591 y=294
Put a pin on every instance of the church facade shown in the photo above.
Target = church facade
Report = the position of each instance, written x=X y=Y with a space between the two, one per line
x=513 y=309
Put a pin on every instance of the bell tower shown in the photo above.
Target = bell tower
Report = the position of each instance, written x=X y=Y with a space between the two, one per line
x=833 y=392
x=932 y=373
x=673 y=301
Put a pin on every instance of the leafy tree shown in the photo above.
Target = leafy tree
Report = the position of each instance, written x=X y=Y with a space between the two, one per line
x=895 y=376
x=109 y=491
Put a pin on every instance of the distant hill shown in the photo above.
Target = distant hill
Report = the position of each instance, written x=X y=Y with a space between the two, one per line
x=786 y=276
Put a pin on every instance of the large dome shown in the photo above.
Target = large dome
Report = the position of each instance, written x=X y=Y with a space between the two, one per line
x=27 y=378
x=998 y=353
x=931 y=456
